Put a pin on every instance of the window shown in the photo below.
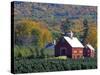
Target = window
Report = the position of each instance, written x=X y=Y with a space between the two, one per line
x=80 y=51
x=88 y=51
x=88 y=54
x=74 y=51
x=78 y=56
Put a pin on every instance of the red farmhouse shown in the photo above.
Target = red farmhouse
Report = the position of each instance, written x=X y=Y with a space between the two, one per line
x=69 y=46
x=89 y=51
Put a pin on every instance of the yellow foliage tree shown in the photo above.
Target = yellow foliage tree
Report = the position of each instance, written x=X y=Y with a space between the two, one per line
x=92 y=36
x=28 y=27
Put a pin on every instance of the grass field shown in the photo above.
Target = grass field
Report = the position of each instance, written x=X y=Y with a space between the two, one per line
x=25 y=65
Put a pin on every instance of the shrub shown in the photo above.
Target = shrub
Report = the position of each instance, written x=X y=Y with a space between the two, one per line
x=22 y=51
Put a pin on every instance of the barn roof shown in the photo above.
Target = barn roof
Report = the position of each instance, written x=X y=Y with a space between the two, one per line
x=50 y=46
x=74 y=42
x=89 y=46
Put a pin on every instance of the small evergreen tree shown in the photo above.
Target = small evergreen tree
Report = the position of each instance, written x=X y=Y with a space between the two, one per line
x=85 y=31
x=66 y=25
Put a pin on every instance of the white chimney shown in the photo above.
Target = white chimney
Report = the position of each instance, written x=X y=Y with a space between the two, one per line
x=54 y=42
x=70 y=34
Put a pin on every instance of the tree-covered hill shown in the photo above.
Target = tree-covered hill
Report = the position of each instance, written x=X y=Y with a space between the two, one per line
x=53 y=13
x=54 y=16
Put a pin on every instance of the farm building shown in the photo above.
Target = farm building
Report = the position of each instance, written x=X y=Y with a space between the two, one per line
x=51 y=45
x=89 y=51
x=69 y=46
x=50 y=49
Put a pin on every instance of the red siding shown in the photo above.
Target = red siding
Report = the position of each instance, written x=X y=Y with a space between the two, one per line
x=88 y=52
x=59 y=45
x=77 y=53
x=69 y=51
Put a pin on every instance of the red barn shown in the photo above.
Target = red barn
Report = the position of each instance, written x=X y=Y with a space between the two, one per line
x=69 y=46
x=89 y=51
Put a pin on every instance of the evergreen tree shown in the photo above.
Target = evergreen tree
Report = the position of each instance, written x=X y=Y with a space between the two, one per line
x=66 y=25
x=85 y=31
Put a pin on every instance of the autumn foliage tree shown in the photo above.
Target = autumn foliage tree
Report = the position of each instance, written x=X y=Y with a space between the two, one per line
x=92 y=36
x=32 y=32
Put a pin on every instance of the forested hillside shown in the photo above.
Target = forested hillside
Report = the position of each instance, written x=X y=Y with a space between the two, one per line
x=54 y=15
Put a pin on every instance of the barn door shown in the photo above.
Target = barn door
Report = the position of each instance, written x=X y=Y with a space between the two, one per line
x=63 y=51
